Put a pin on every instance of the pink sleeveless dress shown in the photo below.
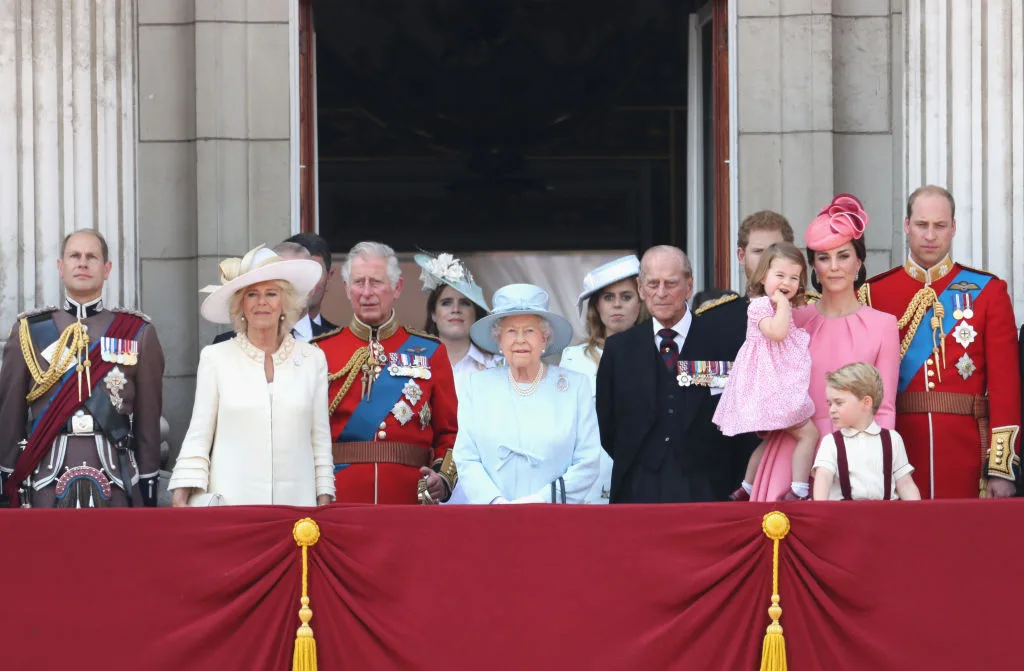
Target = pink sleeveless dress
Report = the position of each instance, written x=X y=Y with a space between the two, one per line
x=767 y=387
x=867 y=335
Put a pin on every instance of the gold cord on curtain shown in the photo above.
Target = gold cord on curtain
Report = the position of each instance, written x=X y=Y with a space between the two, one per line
x=773 y=652
x=306 y=533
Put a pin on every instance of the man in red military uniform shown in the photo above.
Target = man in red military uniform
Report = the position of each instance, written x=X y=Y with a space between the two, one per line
x=958 y=403
x=391 y=393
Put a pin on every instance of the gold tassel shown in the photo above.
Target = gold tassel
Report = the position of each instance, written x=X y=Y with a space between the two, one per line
x=773 y=651
x=306 y=534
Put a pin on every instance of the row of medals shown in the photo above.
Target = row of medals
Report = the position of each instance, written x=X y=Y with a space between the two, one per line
x=118 y=350
x=707 y=374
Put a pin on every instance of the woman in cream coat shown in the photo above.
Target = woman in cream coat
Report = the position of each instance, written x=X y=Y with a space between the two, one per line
x=259 y=432
x=613 y=306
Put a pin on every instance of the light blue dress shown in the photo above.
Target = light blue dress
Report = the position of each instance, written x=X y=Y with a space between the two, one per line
x=514 y=446
x=575 y=358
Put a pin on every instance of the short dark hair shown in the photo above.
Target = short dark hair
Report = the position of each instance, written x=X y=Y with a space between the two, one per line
x=765 y=220
x=87 y=231
x=316 y=245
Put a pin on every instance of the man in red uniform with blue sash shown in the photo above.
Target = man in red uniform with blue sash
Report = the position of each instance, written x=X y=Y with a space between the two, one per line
x=958 y=404
x=391 y=393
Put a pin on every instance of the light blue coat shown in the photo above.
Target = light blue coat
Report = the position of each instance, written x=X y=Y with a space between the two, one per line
x=515 y=446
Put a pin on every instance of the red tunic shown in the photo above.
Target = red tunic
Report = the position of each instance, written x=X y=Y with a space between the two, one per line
x=386 y=482
x=946 y=450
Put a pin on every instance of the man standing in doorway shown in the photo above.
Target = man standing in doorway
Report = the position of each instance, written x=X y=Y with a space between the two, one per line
x=321 y=253
x=958 y=401
x=391 y=392
x=80 y=395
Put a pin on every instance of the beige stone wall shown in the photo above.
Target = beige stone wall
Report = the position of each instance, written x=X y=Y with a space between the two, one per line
x=213 y=179
x=819 y=112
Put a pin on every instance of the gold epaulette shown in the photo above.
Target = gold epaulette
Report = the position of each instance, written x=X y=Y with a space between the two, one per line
x=422 y=334
x=328 y=334
x=864 y=294
x=136 y=313
x=715 y=303
x=36 y=312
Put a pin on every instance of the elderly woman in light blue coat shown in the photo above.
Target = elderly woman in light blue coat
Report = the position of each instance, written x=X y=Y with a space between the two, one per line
x=527 y=431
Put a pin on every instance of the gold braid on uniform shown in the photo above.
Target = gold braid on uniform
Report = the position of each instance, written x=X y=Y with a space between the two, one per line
x=71 y=348
x=924 y=300
x=351 y=370
x=864 y=294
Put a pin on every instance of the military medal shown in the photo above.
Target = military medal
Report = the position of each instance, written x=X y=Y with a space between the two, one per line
x=958 y=311
x=964 y=334
x=965 y=366
x=968 y=307
x=425 y=416
x=115 y=381
x=684 y=378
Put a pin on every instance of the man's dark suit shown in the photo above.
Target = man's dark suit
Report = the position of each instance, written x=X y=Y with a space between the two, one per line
x=659 y=434
x=323 y=327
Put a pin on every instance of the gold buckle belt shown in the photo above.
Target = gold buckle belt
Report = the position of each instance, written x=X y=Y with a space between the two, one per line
x=943 y=402
x=381 y=452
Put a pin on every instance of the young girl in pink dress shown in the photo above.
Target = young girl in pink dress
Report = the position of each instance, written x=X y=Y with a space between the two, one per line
x=767 y=389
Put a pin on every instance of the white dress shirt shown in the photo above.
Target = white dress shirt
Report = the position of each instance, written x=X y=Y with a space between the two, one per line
x=864 y=458
x=303 y=329
x=682 y=329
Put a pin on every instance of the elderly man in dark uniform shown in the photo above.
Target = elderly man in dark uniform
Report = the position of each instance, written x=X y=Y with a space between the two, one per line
x=958 y=400
x=657 y=391
x=391 y=391
x=80 y=395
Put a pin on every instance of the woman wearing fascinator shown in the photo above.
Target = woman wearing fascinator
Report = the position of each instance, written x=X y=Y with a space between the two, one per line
x=259 y=432
x=612 y=298
x=454 y=304
x=841 y=331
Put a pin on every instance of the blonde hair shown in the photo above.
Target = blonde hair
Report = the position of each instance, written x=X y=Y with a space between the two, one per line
x=860 y=379
x=292 y=307
x=779 y=250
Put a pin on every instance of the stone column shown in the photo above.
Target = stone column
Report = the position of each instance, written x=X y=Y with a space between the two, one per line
x=964 y=119
x=67 y=143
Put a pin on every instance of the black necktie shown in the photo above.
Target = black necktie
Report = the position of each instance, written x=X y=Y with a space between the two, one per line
x=668 y=349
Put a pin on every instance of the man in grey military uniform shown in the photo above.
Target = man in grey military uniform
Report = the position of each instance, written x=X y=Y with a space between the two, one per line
x=80 y=395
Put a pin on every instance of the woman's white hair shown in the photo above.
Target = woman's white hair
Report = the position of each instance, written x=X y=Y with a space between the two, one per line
x=379 y=250
x=545 y=327
x=293 y=306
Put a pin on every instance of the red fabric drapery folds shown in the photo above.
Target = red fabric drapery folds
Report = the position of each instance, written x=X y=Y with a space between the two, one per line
x=864 y=586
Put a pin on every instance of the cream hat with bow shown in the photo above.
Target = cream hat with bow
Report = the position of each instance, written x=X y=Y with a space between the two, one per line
x=258 y=265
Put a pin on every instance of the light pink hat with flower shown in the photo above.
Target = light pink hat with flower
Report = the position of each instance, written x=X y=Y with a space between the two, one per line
x=843 y=220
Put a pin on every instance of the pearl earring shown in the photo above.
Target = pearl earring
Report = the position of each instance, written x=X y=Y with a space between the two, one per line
x=282 y=317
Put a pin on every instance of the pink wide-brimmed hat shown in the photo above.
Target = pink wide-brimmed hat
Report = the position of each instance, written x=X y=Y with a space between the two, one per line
x=843 y=220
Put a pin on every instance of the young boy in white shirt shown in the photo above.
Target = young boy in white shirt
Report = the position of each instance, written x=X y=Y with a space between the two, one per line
x=861 y=460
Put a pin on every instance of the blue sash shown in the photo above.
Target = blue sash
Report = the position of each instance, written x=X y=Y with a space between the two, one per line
x=387 y=389
x=67 y=376
x=921 y=346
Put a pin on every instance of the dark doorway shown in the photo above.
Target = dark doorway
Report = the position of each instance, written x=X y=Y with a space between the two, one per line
x=470 y=125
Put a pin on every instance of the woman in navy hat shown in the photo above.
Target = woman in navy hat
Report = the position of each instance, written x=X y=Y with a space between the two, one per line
x=613 y=305
x=527 y=431
x=454 y=304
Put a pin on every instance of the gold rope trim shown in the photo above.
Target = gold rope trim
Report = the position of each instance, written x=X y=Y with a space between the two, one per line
x=306 y=533
x=72 y=348
x=773 y=651
x=351 y=369
x=925 y=299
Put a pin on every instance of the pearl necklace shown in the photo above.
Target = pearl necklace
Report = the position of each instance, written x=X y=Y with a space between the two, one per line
x=530 y=387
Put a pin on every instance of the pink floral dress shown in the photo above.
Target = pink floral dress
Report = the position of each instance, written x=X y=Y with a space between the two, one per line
x=767 y=388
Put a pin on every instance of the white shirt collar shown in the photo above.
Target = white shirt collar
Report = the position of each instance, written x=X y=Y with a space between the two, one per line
x=872 y=430
x=318 y=320
x=681 y=327
x=303 y=329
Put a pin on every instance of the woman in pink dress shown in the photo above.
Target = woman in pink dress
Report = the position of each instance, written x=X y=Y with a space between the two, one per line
x=842 y=331
x=768 y=385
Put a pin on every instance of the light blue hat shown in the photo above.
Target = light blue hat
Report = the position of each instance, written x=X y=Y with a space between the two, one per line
x=446 y=269
x=521 y=299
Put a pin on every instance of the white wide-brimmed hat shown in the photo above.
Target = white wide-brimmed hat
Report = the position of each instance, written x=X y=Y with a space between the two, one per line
x=521 y=299
x=608 y=274
x=258 y=265
x=446 y=269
